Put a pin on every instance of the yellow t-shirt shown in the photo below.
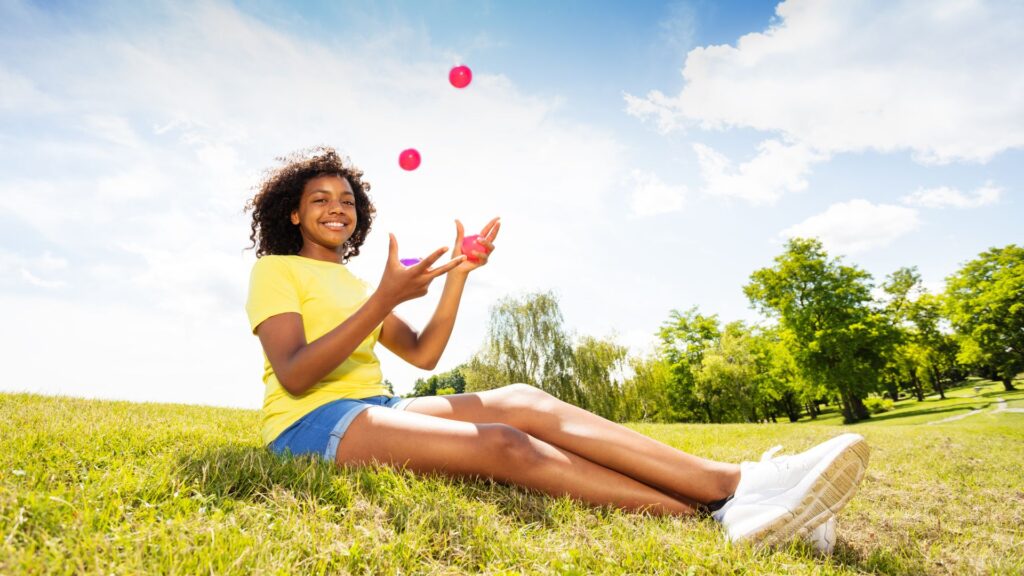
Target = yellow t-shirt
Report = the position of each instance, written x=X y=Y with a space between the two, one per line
x=325 y=294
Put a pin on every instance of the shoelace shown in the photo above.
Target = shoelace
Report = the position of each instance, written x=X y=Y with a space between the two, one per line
x=780 y=463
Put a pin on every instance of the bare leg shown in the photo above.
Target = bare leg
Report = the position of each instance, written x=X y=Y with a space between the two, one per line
x=428 y=444
x=606 y=443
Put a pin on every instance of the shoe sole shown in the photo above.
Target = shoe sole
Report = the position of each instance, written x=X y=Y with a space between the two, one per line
x=833 y=487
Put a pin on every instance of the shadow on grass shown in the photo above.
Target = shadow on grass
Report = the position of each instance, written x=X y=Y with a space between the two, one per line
x=937 y=411
x=253 y=474
x=924 y=410
x=238 y=472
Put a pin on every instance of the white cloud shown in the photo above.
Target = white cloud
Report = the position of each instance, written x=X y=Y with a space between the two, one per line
x=856 y=226
x=941 y=79
x=40 y=282
x=20 y=93
x=656 y=105
x=777 y=169
x=35 y=270
x=112 y=128
x=946 y=197
x=651 y=196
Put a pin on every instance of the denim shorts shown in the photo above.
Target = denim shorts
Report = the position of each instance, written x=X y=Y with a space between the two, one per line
x=320 y=431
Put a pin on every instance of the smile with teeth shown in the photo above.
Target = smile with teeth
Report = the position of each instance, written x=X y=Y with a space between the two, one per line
x=334 y=225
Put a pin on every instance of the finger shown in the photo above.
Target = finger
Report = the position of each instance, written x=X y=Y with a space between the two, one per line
x=486 y=229
x=494 y=231
x=392 y=248
x=429 y=260
x=485 y=243
x=447 y=266
x=459 y=232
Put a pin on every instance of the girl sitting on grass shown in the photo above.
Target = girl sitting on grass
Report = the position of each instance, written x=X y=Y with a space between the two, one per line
x=324 y=395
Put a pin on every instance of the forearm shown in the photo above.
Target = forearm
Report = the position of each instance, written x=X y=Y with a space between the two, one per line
x=432 y=341
x=311 y=363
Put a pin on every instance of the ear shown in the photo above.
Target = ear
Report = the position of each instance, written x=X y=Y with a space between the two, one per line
x=295 y=217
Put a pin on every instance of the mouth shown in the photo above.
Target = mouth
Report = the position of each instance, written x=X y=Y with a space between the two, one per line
x=335 y=226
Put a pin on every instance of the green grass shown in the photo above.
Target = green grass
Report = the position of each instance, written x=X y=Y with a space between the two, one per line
x=115 y=487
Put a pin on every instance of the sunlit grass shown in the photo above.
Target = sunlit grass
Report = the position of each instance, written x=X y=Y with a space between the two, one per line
x=115 y=487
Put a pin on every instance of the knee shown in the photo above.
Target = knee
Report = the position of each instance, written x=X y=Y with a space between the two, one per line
x=525 y=396
x=527 y=407
x=509 y=445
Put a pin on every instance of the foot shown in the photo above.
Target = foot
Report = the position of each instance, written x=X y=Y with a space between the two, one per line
x=783 y=497
x=773 y=474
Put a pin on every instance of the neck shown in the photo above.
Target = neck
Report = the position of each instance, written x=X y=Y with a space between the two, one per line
x=320 y=253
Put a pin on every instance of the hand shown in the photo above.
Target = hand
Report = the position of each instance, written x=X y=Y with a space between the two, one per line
x=485 y=239
x=400 y=283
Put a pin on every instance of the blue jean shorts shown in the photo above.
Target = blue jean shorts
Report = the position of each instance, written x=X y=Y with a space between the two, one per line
x=320 y=431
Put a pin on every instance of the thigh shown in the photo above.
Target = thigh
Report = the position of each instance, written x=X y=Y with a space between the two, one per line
x=517 y=405
x=425 y=443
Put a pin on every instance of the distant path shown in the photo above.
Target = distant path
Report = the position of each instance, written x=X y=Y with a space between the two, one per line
x=957 y=417
x=1000 y=407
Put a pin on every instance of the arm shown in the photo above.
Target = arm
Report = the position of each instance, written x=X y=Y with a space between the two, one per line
x=424 y=350
x=300 y=365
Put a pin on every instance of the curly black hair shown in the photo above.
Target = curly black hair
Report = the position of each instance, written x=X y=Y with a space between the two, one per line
x=279 y=194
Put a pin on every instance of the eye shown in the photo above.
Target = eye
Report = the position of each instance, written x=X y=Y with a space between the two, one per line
x=319 y=200
x=349 y=202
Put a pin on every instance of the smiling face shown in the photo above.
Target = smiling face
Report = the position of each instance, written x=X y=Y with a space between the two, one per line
x=326 y=217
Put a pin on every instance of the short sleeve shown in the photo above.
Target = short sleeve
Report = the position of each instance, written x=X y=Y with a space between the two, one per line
x=272 y=290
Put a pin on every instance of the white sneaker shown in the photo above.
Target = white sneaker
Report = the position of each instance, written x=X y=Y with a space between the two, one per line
x=789 y=496
x=823 y=538
x=773 y=474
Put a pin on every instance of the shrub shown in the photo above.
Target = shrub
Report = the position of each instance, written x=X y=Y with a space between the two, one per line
x=876 y=405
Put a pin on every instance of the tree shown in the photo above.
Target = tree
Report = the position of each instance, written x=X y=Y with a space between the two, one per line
x=778 y=377
x=727 y=380
x=685 y=338
x=902 y=370
x=450 y=382
x=598 y=369
x=985 y=303
x=840 y=340
x=526 y=343
x=645 y=395
x=937 y=358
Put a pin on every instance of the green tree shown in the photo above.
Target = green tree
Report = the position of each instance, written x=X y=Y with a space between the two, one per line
x=598 y=369
x=526 y=343
x=645 y=395
x=937 y=358
x=902 y=288
x=685 y=338
x=727 y=379
x=985 y=303
x=778 y=377
x=840 y=340
x=450 y=382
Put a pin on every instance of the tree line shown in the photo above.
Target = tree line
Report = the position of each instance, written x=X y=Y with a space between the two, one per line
x=829 y=338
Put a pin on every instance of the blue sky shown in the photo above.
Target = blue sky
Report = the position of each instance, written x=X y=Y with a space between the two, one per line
x=643 y=157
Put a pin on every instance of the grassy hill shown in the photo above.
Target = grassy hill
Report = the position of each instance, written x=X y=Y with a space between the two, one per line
x=115 y=487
